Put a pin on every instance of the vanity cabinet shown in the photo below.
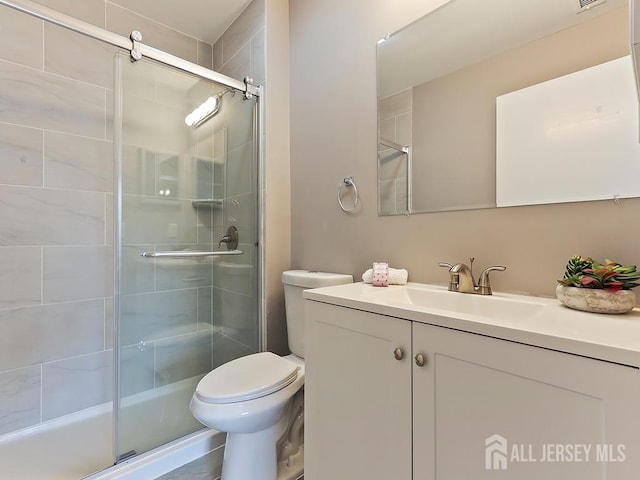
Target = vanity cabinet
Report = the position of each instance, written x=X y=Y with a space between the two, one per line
x=475 y=405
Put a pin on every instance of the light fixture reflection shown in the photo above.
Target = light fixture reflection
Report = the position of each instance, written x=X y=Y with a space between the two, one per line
x=202 y=113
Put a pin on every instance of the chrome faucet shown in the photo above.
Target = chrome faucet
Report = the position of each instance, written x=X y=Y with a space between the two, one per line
x=461 y=278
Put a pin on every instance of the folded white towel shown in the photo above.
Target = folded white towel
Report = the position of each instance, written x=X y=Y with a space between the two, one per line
x=397 y=276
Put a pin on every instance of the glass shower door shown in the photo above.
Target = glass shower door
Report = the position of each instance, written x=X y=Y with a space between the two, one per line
x=187 y=299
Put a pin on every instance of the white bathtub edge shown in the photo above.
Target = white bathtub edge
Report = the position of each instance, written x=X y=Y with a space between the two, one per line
x=165 y=458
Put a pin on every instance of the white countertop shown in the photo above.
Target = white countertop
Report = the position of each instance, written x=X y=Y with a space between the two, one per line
x=615 y=338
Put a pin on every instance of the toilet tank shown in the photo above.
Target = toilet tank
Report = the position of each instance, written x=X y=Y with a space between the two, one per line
x=295 y=282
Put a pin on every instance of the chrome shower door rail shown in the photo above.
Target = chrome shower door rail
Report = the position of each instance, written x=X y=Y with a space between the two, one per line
x=53 y=16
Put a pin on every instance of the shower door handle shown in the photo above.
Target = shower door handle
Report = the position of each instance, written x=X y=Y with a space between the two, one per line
x=190 y=254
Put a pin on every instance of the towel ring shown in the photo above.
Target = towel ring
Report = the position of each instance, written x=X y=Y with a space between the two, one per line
x=348 y=182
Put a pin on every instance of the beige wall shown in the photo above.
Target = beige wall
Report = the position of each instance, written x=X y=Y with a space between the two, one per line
x=333 y=134
x=277 y=216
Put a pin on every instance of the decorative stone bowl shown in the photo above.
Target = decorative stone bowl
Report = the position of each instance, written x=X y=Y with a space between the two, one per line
x=596 y=300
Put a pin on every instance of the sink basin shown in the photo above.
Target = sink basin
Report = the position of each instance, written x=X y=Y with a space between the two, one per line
x=496 y=306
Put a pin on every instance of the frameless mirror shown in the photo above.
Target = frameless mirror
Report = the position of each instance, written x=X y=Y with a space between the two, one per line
x=503 y=103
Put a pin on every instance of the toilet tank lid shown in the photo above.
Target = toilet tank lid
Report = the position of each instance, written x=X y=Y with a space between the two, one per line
x=313 y=279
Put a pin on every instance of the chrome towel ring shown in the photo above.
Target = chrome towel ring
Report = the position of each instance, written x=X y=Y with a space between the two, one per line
x=346 y=183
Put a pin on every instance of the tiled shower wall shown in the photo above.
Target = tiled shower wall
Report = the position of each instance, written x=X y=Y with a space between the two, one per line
x=395 y=124
x=56 y=251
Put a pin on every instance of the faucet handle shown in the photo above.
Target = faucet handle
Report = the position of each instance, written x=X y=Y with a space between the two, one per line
x=484 y=285
x=454 y=279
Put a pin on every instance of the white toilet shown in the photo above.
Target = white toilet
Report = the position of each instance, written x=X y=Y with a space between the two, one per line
x=249 y=397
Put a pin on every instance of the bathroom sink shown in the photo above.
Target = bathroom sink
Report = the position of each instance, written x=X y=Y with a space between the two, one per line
x=496 y=306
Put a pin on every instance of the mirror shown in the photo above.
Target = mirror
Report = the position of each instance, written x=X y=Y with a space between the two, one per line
x=503 y=103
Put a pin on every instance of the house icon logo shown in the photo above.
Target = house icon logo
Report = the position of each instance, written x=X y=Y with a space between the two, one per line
x=495 y=456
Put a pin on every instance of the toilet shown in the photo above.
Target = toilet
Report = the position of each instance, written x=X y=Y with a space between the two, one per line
x=251 y=398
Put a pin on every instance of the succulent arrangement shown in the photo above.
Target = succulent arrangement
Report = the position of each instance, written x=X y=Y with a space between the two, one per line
x=610 y=276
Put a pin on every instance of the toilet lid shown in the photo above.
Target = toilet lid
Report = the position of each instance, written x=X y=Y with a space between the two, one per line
x=246 y=378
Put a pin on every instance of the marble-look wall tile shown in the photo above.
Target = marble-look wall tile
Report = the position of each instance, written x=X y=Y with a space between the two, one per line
x=258 y=63
x=177 y=274
x=138 y=272
x=205 y=305
x=150 y=316
x=243 y=28
x=238 y=66
x=73 y=55
x=203 y=175
x=391 y=165
x=387 y=130
x=138 y=170
x=77 y=163
x=20 y=155
x=217 y=55
x=138 y=79
x=241 y=211
x=33 y=335
x=403 y=129
x=236 y=274
x=137 y=371
x=387 y=197
x=108 y=215
x=77 y=273
x=19 y=399
x=20 y=37
x=396 y=104
x=91 y=11
x=20 y=276
x=183 y=357
x=240 y=175
x=123 y=21
x=33 y=216
x=235 y=315
x=173 y=88
x=109 y=107
x=76 y=383
x=155 y=126
x=205 y=226
x=238 y=118
x=226 y=349
x=42 y=100
x=108 y=323
x=155 y=220
x=205 y=54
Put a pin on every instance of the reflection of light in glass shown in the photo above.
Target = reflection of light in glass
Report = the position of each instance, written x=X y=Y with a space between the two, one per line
x=164 y=193
x=207 y=109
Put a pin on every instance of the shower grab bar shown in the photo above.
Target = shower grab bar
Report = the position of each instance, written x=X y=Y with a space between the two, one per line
x=190 y=254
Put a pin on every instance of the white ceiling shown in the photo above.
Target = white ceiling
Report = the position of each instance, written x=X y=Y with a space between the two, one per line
x=203 y=19
x=463 y=32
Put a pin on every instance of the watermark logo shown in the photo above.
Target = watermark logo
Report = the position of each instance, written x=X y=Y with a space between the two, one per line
x=495 y=453
x=499 y=453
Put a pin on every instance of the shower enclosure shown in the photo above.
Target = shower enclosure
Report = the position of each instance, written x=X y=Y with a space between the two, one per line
x=128 y=287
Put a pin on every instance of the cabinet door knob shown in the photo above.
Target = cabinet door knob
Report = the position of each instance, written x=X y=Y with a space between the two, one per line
x=398 y=353
x=420 y=360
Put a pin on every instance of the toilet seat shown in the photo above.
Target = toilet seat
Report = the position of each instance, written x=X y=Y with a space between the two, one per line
x=247 y=378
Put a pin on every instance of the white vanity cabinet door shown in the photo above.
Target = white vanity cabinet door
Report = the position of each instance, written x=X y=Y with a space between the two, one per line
x=541 y=403
x=357 y=395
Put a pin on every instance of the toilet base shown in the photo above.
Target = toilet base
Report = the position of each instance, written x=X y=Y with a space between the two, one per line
x=253 y=455
x=292 y=468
